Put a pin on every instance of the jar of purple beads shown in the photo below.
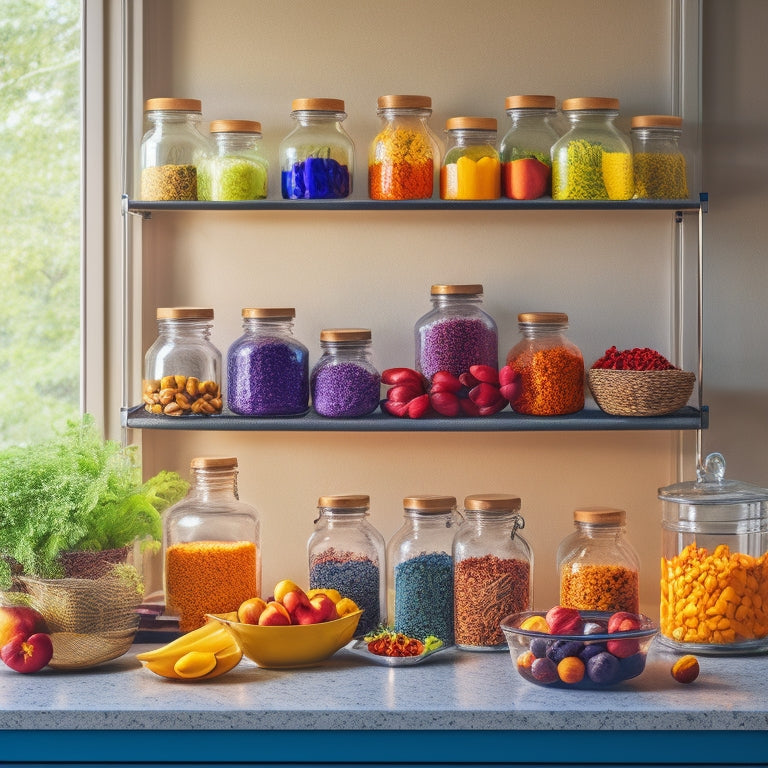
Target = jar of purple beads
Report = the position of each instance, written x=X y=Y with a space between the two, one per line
x=344 y=382
x=456 y=333
x=267 y=367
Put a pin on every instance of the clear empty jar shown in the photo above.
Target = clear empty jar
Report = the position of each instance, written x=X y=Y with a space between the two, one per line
x=471 y=169
x=659 y=164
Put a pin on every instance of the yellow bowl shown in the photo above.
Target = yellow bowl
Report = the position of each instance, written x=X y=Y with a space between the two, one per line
x=296 y=645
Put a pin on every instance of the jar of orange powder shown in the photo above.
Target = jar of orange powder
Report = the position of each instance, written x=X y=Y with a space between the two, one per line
x=211 y=545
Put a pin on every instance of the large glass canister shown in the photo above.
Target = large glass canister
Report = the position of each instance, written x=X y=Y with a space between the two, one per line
x=714 y=566
x=598 y=568
x=659 y=163
x=211 y=546
x=548 y=367
x=493 y=570
x=344 y=382
x=172 y=149
x=317 y=156
x=593 y=159
x=404 y=156
x=420 y=568
x=456 y=333
x=526 y=148
x=348 y=554
x=268 y=367
x=471 y=168
x=182 y=367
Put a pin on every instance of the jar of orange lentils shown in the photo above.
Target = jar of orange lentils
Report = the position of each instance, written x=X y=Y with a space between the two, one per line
x=211 y=546
x=548 y=367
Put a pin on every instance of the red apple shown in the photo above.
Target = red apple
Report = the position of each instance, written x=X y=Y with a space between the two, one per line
x=28 y=654
x=274 y=614
x=19 y=620
x=250 y=610
x=621 y=621
x=564 y=621
x=324 y=608
x=623 y=649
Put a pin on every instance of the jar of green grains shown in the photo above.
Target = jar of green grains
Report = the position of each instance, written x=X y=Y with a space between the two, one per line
x=492 y=570
x=471 y=169
x=236 y=169
x=526 y=161
x=659 y=163
x=344 y=382
x=456 y=333
x=347 y=553
x=172 y=149
x=420 y=568
x=593 y=159
x=317 y=156
x=405 y=155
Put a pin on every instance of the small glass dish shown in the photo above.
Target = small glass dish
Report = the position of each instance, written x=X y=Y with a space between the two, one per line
x=360 y=648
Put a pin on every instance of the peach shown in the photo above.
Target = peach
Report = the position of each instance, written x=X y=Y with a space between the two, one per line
x=297 y=604
x=685 y=669
x=621 y=621
x=274 y=614
x=564 y=621
x=28 y=654
x=250 y=610
x=282 y=588
x=345 y=606
x=324 y=608
x=19 y=620
x=334 y=594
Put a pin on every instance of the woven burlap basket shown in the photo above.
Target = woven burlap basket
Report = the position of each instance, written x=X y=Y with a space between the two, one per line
x=640 y=393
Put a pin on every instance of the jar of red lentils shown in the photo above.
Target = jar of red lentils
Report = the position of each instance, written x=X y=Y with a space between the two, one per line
x=548 y=367
x=493 y=570
x=598 y=567
x=211 y=546
x=714 y=567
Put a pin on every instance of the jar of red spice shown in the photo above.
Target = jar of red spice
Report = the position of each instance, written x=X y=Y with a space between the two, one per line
x=493 y=570
x=548 y=367
x=405 y=155
x=211 y=545
x=599 y=568
x=471 y=169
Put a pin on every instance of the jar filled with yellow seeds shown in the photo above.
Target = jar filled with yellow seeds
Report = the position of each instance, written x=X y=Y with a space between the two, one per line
x=659 y=164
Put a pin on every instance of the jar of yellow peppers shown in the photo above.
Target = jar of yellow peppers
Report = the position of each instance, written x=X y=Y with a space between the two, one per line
x=471 y=168
x=714 y=565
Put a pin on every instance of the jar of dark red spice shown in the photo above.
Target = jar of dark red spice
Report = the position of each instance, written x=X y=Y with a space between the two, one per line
x=493 y=570
x=456 y=333
x=347 y=553
x=267 y=367
x=548 y=367
x=344 y=382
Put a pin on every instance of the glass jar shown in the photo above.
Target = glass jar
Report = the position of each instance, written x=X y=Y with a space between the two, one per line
x=182 y=368
x=456 y=333
x=172 y=149
x=714 y=567
x=236 y=169
x=548 y=367
x=405 y=155
x=348 y=554
x=525 y=150
x=593 y=160
x=267 y=367
x=317 y=156
x=211 y=545
x=659 y=164
x=420 y=568
x=493 y=570
x=471 y=169
x=599 y=569
x=344 y=381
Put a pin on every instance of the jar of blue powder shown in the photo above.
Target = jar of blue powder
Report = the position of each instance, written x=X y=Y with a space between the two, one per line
x=267 y=367
x=344 y=382
x=456 y=333
x=420 y=568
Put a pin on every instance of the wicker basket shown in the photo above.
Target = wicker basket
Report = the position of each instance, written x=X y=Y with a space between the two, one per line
x=640 y=393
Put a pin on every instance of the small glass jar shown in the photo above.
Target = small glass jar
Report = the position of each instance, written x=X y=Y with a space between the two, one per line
x=405 y=155
x=493 y=570
x=713 y=566
x=548 y=367
x=172 y=149
x=211 y=545
x=344 y=382
x=348 y=554
x=471 y=169
x=598 y=567
x=456 y=333
x=317 y=156
x=526 y=149
x=659 y=164
x=420 y=568
x=236 y=169
x=593 y=159
x=267 y=367
x=182 y=368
